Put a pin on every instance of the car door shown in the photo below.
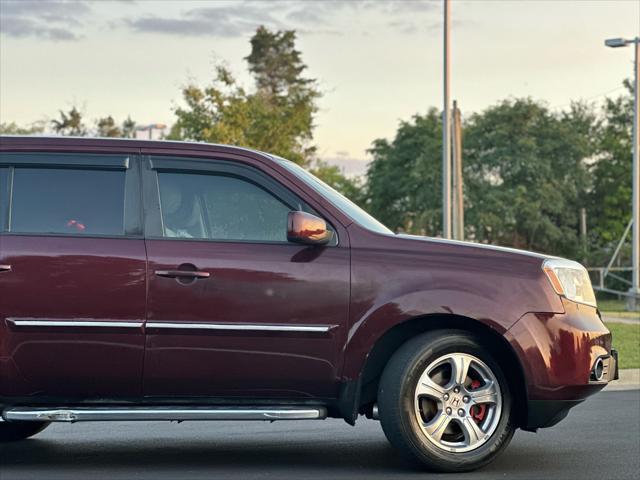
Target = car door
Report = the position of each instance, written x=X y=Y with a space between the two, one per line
x=234 y=309
x=72 y=289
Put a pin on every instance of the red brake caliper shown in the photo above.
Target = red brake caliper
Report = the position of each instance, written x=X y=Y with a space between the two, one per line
x=477 y=411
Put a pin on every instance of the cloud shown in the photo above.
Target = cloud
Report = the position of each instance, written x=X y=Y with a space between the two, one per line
x=222 y=21
x=38 y=8
x=51 y=20
x=308 y=16
x=180 y=26
x=18 y=27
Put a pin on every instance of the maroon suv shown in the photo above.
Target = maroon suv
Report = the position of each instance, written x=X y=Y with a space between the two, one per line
x=149 y=280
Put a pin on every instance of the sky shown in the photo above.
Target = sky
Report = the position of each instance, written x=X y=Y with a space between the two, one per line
x=377 y=62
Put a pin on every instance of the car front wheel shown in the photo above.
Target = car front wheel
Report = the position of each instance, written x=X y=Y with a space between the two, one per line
x=444 y=401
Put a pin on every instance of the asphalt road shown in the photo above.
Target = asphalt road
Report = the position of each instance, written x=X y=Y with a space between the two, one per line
x=600 y=439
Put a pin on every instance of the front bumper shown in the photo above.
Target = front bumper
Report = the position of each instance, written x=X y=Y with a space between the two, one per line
x=559 y=353
x=547 y=413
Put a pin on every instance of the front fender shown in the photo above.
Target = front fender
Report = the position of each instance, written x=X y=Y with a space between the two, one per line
x=379 y=319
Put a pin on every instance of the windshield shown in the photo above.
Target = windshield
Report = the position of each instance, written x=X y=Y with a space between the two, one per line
x=337 y=199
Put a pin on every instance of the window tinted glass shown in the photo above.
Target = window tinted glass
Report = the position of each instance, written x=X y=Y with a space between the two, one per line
x=78 y=202
x=339 y=200
x=219 y=207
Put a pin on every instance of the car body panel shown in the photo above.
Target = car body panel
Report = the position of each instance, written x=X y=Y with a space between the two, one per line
x=48 y=272
x=395 y=279
x=558 y=351
x=359 y=290
x=251 y=285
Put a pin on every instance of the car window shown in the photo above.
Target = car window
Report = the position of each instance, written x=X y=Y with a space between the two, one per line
x=337 y=199
x=67 y=201
x=219 y=207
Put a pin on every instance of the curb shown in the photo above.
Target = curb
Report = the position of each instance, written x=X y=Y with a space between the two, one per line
x=629 y=380
x=627 y=321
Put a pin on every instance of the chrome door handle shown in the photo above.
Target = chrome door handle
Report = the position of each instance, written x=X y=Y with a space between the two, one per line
x=5 y=268
x=182 y=274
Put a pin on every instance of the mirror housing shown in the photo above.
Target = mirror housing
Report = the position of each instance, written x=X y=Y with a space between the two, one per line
x=305 y=228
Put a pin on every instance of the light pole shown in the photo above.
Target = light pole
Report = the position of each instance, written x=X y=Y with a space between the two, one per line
x=634 y=301
x=446 y=132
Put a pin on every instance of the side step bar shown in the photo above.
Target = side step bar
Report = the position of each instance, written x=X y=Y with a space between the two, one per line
x=88 y=414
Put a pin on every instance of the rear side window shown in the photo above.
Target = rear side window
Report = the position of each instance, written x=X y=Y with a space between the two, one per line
x=218 y=207
x=67 y=201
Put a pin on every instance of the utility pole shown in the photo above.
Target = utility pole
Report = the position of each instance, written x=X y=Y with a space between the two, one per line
x=446 y=131
x=583 y=228
x=634 y=292
x=458 y=185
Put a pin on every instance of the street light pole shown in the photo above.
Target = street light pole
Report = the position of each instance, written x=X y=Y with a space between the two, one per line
x=634 y=297
x=634 y=302
x=446 y=132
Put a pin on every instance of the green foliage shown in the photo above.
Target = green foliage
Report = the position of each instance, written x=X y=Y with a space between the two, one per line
x=277 y=117
x=526 y=176
x=609 y=203
x=128 y=128
x=275 y=63
x=351 y=188
x=107 y=127
x=69 y=123
x=527 y=173
x=13 y=128
x=404 y=176
x=626 y=339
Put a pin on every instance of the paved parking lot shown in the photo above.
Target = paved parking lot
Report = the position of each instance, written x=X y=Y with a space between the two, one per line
x=600 y=439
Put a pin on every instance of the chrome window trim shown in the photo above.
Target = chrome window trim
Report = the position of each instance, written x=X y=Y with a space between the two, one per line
x=72 y=323
x=240 y=327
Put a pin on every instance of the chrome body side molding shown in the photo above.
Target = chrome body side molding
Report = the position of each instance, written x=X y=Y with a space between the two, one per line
x=230 y=327
x=87 y=414
x=238 y=327
x=39 y=322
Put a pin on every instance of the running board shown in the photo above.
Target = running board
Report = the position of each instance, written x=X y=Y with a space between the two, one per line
x=87 y=414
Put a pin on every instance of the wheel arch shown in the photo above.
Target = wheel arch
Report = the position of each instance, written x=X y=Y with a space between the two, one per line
x=392 y=339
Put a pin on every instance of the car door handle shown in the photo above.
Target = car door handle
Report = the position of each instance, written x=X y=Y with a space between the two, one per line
x=182 y=274
x=5 y=268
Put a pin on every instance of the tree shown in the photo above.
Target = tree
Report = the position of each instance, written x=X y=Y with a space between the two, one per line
x=609 y=203
x=403 y=179
x=70 y=123
x=14 y=129
x=107 y=127
x=352 y=188
x=275 y=63
x=526 y=176
x=525 y=172
x=276 y=117
x=129 y=128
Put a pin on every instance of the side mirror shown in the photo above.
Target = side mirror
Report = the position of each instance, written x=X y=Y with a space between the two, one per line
x=308 y=229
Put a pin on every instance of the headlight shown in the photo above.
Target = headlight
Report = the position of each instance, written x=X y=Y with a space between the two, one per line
x=570 y=279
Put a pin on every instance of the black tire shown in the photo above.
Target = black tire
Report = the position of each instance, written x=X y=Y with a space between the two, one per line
x=14 y=431
x=396 y=402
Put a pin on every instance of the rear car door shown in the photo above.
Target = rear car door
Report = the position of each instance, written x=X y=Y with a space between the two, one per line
x=72 y=293
x=247 y=313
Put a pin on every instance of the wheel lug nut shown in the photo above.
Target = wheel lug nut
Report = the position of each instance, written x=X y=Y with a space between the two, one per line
x=446 y=396
x=461 y=412
x=465 y=399
x=448 y=410
x=456 y=390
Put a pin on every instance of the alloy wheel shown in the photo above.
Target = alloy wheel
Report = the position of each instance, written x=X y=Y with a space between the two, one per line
x=458 y=402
